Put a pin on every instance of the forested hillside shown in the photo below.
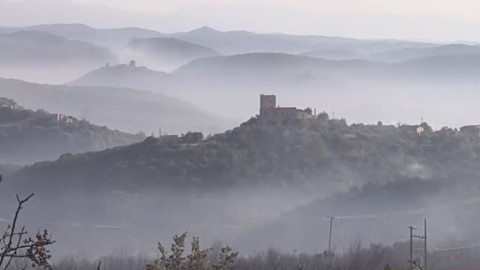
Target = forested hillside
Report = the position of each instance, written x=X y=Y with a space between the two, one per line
x=242 y=180
x=301 y=154
x=28 y=136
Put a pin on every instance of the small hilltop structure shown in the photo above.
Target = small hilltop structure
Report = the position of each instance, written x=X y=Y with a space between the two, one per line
x=270 y=111
x=472 y=130
x=65 y=119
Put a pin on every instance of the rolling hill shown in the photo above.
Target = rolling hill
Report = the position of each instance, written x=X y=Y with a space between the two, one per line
x=229 y=42
x=292 y=154
x=276 y=70
x=236 y=181
x=237 y=69
x=272 y=71
x=360 y=89
x=46 y=58
x=167 y=53
x=119 y=108
x=398 y=55
x=409 y=54
x=27 y=48
x=124 y=76
x=377 y=214
x=239 y=79
x=28 y=136
x=115 y=37
x=241 y=42
x=264 y=64
x=226 y=85
x=334 y=54
x=443 y=68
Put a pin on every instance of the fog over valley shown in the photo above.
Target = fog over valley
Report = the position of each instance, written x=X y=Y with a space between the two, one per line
x=278 y=150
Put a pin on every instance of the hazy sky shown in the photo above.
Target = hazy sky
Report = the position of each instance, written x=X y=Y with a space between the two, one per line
x=438 y=20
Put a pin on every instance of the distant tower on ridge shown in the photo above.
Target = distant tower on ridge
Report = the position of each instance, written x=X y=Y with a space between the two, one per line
x=267 y=102
x=270 y=110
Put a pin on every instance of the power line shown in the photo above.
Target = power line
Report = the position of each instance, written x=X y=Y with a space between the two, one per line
x=455 y=248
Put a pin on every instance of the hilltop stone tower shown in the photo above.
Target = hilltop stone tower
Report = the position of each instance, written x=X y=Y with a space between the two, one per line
x=267 y=102
x=269 y=110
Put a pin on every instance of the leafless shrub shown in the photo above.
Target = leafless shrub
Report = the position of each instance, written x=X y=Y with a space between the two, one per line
x=17 y=245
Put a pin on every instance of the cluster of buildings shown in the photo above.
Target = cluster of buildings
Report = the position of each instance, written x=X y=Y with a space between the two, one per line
x=64 y=119
x=471 y=130
x=270 y=110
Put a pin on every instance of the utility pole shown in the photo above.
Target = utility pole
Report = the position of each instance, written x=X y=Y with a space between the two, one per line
x=411 y=246
x=330 y=235
x=425 y=250
x=425 y=243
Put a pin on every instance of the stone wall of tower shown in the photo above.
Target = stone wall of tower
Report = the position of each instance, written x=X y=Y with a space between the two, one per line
x=267 y=102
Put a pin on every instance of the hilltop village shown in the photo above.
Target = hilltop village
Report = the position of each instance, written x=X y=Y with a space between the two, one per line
x=269 y=110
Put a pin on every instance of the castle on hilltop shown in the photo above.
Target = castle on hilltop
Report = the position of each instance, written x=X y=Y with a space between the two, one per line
x=270 y=110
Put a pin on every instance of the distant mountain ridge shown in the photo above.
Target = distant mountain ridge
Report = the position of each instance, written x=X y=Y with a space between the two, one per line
x=47 y=58
x=229 y=42
x=33 y=47
x=235 y=80
x=115 y=37
x=267 y=62
x=236 y=42
x=408 y=54
x=335 y=72
x=239 y=79
x=334 y=54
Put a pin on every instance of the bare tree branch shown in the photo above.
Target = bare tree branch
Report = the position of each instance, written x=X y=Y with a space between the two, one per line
x=13 y=226
x=17 y=245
